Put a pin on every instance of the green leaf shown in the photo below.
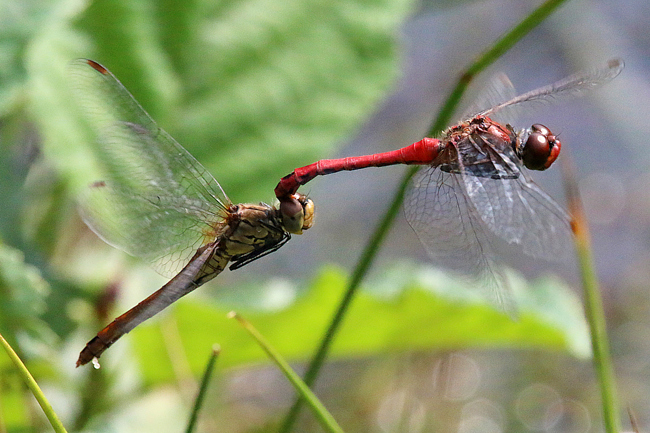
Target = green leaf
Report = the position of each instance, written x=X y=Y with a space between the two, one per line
x=22 y=298
x=416 y=309
x=251 y=88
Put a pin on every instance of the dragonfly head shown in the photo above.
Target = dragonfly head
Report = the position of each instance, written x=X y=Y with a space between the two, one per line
x=539 y=148
x=297 y=212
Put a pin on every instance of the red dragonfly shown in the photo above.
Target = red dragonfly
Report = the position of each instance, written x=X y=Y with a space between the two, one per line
x=474 y=186
x=159 y=203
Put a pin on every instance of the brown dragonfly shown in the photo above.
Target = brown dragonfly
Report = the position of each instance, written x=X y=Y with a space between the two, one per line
x=158 y=203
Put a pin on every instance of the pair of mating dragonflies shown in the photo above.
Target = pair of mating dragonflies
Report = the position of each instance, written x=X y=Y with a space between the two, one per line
x=159 y=203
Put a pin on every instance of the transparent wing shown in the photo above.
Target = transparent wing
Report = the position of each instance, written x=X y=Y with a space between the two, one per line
x=448 y=226
x=573 y=85
x=150 y=225
x=517 y=210
x=499 y=89
x=155 y=200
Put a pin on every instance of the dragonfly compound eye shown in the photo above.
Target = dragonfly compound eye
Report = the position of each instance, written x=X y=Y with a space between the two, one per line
x=297 y=213
x=541 y=148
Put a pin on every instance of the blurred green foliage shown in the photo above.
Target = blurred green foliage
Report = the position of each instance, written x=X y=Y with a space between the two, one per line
x=419 y=310
x=252 y=88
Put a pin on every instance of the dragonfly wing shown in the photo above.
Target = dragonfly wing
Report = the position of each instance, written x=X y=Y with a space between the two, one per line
x=574 y=85
x=147 y=225
x=499 y=89
x=518 y=211
x=452 y=233
x=155 y=200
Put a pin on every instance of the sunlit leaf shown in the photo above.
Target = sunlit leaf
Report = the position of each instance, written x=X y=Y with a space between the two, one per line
x=251 y=88
x=417 y=310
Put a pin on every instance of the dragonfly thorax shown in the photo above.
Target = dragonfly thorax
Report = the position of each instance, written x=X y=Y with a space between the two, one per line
x=481 y=148
x=257 y=230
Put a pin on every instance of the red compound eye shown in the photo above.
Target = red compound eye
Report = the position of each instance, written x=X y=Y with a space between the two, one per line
x=541 y=148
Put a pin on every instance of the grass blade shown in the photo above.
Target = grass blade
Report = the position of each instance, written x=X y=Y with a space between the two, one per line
x=33 y=387
x=198 y=402
x=593 y=303
x=372 y=247
x=326 y=420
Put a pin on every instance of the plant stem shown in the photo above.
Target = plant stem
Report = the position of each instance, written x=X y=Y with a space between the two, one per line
x=372 y=247
x=489 y=56
x=33 y=387
x=321 y=413
x=593 y=304
x=191 y=425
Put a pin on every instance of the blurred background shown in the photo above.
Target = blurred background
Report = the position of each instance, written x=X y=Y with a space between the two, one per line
x=253 y=89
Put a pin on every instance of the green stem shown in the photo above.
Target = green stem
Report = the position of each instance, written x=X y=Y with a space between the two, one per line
x=503 y=44
x=191 y=425
x=359 y=273
x=593 y=304
x=326 y=420
x=442 y=120
x=599 y=342
x=33 y=387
